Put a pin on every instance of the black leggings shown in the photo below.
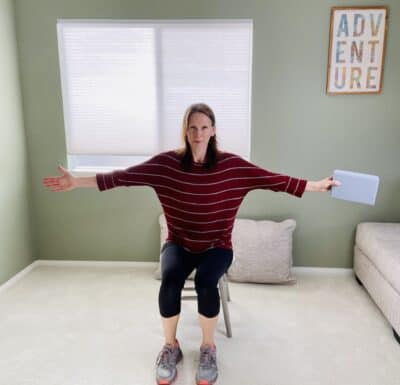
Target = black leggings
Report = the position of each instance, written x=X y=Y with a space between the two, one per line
x=176 y=265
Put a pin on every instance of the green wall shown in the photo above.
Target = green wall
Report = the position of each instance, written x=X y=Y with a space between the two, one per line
x=15 y=240
x=296 y=129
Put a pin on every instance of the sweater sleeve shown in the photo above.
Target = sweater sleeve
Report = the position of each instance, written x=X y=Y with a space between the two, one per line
x=143 y=174
x=260 y=178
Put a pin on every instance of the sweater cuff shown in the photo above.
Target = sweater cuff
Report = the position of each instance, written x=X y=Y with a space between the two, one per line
x=297 y=187
x=104 y=181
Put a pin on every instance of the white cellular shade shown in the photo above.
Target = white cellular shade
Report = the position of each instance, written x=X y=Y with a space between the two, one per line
x=126 y=85
x=208 y=63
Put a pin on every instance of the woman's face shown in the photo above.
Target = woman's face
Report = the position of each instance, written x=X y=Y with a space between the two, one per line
x=200 y=131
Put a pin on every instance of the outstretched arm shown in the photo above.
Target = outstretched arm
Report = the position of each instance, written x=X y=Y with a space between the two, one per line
x=143 y=174
x=68 y=182
x=257 y=177
x=322 y=185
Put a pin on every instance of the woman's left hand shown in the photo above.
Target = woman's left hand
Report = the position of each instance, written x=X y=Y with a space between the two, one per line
x=322 y=185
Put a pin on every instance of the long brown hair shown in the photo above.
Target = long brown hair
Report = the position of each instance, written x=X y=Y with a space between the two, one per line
x=212 y=148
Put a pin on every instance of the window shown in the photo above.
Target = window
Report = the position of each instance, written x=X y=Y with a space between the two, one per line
x=126 y=85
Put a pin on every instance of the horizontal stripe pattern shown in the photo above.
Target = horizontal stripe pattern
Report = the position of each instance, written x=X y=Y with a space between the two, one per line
x=200 y=205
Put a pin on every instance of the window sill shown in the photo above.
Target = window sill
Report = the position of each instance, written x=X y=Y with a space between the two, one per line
x=92 y=171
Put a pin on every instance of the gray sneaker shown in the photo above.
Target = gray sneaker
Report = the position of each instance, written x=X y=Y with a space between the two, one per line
x=167 y=359
x=207 y=371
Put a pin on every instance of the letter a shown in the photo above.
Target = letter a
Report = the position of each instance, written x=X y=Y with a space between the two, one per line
x=343 y=27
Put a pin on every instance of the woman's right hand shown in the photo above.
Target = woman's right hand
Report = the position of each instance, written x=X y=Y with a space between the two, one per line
x=66 y=182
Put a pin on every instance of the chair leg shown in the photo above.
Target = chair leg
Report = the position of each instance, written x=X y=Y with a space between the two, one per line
x=228 y=295
x=188 y=297
x=224 y=302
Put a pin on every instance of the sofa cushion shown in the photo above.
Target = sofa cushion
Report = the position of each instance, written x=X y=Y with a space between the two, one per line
x=380 y=242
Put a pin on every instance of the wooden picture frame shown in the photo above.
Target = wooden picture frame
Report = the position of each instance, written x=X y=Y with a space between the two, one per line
x=357 y=45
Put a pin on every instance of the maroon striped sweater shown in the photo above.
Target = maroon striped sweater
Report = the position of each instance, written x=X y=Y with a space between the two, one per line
x=200 y=206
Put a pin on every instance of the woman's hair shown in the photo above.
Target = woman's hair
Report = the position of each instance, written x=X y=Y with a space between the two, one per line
x=212 y=148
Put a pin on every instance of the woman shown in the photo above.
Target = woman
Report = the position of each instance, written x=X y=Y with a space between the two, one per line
x=200 y=189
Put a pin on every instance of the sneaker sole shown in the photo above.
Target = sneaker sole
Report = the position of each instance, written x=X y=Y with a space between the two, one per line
x=205 y=382
x=167 y=382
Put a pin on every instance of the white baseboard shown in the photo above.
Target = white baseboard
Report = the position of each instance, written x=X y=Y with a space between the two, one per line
x=14 y=279
x=322 y=270
x=53 y=262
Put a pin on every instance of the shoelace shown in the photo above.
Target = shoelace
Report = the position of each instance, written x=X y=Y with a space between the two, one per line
x=206 y=358
x=164 y=356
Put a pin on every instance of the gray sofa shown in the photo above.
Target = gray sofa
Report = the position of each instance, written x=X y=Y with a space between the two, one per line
x=377 y=267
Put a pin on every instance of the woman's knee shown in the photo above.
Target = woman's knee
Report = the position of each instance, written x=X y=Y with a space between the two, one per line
x=207 y=294
x=208 y=301
x=169 y=300
x=205 y=280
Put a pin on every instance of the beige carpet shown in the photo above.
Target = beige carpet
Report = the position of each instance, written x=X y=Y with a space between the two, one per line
x=66 y=325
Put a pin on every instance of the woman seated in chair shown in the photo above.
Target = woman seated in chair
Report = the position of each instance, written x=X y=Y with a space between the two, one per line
x=200 y=189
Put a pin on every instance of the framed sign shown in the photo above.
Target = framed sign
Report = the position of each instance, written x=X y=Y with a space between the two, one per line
x=357 y=44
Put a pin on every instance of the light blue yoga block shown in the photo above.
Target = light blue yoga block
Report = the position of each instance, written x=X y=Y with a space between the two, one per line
x=355 y=187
